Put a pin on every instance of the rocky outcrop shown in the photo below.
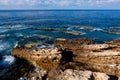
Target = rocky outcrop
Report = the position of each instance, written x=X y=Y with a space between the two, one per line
x=21 y=68
x=71 y=59
x=43 y=58
x=65 y=31
x=85 y=28
x=100 y=76
x=112 y=30
x=73 y=32
x=95 y=57
x=70 y=74
x=72 y=44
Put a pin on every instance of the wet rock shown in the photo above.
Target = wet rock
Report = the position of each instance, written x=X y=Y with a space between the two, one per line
x=50 y=29
x=86 y=28
x=112 y=30
x=73 y=32
x=21 y=68
x=36 y=74
x=31 y=44
x=73 y=43
x=33 y=41
x=100 y=76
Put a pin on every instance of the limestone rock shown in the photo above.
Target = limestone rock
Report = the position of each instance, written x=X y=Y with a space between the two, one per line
x=73 y=32
x=72 y=56
x=45 y=58
x=85 y=27
x=100 y=76
x=70 y=74
x=92 y=56
x=73 y=43
x=112 y=30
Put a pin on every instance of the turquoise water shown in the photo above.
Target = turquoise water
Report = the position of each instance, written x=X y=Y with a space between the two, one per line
x=25 y=26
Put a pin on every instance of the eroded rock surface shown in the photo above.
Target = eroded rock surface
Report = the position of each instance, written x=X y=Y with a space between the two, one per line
x=100 y=76
x=71 y=57
x=70 y=74
x=95 y=57
x=44 y=58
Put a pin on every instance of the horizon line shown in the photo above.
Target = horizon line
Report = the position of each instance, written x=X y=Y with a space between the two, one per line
x=50 y=9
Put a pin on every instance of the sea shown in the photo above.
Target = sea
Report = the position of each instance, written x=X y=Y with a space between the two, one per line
x=20 y=27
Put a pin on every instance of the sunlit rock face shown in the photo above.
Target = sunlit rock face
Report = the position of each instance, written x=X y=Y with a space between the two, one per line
x=70 y=74
x=96 y=57
x=76 y=54
x=100 y=76
x=45 y=58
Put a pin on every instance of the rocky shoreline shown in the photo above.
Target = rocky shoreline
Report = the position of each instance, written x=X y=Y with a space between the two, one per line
x=73 y=59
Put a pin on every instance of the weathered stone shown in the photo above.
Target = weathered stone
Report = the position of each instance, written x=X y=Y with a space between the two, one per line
x=31 y=44
x=76 y=54
x=112 y=30
x=54 y=73
x=43 y=58
x=72 y=44
x=70 y=74
x=73 y=32
x=100 y=76
x=95 y=57
x=86 y=28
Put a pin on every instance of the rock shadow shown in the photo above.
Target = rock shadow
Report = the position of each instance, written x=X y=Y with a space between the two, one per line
x=67 y=56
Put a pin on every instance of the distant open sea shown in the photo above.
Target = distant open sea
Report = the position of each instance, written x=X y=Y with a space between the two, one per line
x=23 y=26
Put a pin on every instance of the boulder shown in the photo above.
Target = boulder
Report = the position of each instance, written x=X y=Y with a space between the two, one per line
x=70 y=74
x=100 y=76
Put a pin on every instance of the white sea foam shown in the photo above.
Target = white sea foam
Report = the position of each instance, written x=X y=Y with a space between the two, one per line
x=8 y=59
x=46 y=46
x=4 y=45
x=14 y=26
x=24 y=78
x=16 y=44
x=98 y=29
x=42 y=46
x=69 y=28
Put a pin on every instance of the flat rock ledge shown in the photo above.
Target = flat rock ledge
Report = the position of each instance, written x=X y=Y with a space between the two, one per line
x=75 y=59
x=45 y=58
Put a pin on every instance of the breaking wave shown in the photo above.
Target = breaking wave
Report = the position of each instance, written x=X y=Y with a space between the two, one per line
x=8 y=60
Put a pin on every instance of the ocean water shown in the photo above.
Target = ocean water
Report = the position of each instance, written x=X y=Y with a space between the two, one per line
x=21 y=27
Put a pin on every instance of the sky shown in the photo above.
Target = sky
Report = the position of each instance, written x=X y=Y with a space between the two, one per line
x=58 y=4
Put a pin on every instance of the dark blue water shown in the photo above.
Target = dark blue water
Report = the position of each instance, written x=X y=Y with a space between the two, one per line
x=23 y=26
